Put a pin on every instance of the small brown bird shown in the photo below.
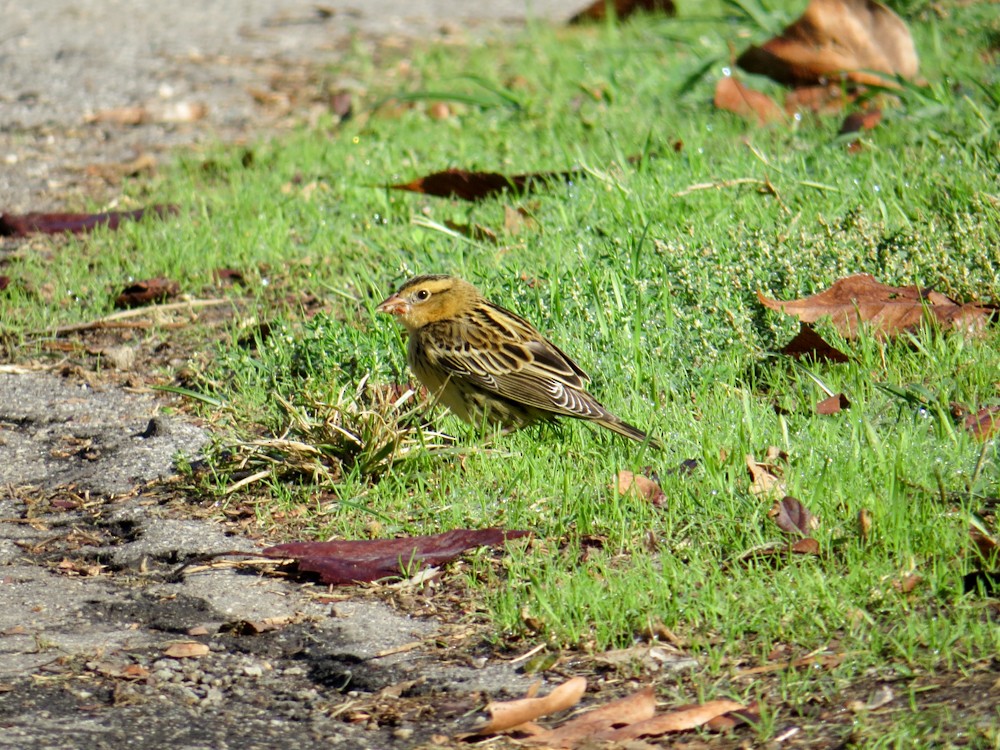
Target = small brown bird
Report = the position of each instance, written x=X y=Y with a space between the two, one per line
x=485 y=362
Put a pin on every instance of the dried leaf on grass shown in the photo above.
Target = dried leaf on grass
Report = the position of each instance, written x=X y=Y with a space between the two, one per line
x=889 y=310
x=732 y=96
x=764 y=479
x=23 y=225
x=598 y=10
x=352 y=561
x=474 y=186
x=833 y=405
x=146 y=292
x=808 y=343
x=860 y=39
x=643 y=487
x=982 y=424
x=792 y=516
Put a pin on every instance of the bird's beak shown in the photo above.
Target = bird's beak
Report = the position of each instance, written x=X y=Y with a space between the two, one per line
x=393 y=305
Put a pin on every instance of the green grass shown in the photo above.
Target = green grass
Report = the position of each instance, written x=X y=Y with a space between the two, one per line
x=651 y=292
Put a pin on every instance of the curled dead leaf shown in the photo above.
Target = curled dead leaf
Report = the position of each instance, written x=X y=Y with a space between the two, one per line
x=860 y=39
x=510 y=714
x=860 y=299
x=144 y=292
x=763 y=483
x=732 y=96
x=792 y=516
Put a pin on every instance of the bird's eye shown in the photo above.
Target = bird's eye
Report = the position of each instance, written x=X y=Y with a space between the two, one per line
x=423 y=294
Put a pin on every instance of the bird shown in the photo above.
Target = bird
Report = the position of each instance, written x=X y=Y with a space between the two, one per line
x=486 y=363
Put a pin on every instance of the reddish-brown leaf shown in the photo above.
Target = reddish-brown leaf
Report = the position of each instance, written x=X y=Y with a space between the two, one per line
x=4 y=282
x=833 y=405
x=792 y=516
x=984 y=423
x=474 y=186
x=642 y=486
x=369 y=560
x=732 y=96
x=861 y=39
x=144 y=292
x=22 y=225
x=808 y=343
x=807 y=546
x=858 y=121
x=598 y=10
x=887 y=309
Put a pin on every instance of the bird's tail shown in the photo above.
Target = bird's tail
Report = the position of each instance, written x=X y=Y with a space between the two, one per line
x=616 y=424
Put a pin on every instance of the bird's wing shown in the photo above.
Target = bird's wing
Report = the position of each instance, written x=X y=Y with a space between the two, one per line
x=506 y=356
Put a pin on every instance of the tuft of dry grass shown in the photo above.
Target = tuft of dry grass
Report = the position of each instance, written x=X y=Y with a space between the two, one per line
x=366 y=428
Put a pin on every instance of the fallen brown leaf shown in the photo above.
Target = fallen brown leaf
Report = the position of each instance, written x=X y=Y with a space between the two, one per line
x=833 y=405
x=474 y=186
x=351 y=561
x=889 y=310
x=634 y=708
x=643 y=487
x=510 y=714
x=983 y=424
x=675 y=721
x=792 y=516
x=763 y=483
x=144 y=292
x=598 y=10
x=732 y=96
x=4 y=282
x=22 y=225
x=860 y=39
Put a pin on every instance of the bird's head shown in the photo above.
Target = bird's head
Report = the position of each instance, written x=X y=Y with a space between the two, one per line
x=428 y=299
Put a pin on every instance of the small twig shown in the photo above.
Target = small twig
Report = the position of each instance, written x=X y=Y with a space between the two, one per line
x=110 y=321
x=245 y=481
